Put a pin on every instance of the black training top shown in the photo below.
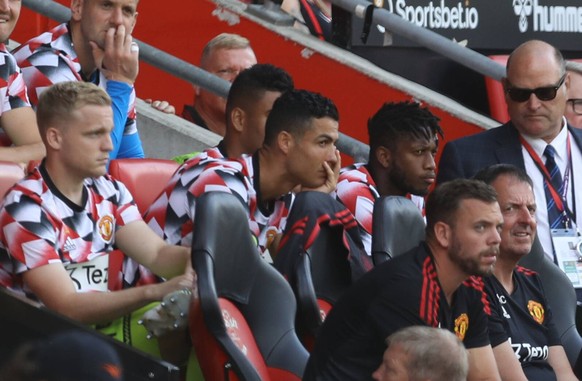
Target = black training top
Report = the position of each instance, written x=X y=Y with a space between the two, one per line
x=402 y=292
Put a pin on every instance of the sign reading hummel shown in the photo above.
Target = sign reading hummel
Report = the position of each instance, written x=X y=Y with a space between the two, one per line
x=548 y=18
x=499 y=27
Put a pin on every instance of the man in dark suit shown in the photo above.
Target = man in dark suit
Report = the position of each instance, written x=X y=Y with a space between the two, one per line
x=536 y=89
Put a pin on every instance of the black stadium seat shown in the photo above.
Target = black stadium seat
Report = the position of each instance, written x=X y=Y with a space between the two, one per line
x=321 y=276
x=397 y=226
x=243 y=324
x=316 y=255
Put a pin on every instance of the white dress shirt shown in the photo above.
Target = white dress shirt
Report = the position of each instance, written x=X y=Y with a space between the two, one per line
x=560 y=144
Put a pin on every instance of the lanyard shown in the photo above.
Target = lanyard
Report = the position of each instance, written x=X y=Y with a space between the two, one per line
x=559 y=199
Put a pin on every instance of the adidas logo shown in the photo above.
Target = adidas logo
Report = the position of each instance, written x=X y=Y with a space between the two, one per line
x=69 y=245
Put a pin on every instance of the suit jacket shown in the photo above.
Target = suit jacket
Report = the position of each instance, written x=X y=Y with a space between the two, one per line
x=464 y=157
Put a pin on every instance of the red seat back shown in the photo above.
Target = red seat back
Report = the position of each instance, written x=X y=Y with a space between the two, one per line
x=32 y=165
x=4 y=139
x=215 y=363
x=145 y=178
x=495 y=94
x=10 y=174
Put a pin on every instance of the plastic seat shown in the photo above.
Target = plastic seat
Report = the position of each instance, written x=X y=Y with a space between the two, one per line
x=316 y=255
x=561 y=297
x=4 y=139
x=242 y=324
x=322 y=275
x=10 y=174
x=32 y=165
x=397 y=226
x=145 y=178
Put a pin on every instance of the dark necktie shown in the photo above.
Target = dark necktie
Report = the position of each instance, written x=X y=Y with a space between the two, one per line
x=555 y=218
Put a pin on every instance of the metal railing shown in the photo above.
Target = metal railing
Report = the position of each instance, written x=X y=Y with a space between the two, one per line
x=432 y=40
x=427 y=38
x=184 y=70
x=147 y=53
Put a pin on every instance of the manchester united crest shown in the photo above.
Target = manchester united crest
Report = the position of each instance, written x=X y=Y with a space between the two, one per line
x=106 y=226
x=536 y=310
x=461 y=326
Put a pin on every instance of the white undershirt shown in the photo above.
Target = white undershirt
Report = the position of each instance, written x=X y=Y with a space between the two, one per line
x=560 y=144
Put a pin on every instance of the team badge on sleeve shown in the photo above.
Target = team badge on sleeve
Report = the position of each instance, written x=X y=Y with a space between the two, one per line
x=461 y=326
x=106 y=227
x=536 y=310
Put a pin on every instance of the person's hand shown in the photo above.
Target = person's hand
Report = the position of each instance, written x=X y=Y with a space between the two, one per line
x=332 y=172
x=337 y=165
x=163 y=106
x=118 y=60
x=186 y=281
x=172 y=313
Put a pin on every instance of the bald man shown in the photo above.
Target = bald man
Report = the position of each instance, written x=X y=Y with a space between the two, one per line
x=536 y=91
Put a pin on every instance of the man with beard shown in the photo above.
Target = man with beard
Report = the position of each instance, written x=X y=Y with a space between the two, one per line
x=403 y=143
x=435 y=284
x=519 y=309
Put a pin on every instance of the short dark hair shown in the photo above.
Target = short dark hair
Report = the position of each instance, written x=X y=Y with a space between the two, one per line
x=489 y=174
x=444 y=202
x=293 y=112
x=401 y=120
x=252 y=83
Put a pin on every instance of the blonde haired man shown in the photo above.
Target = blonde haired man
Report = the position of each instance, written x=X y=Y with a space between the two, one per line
x=59 y=224
x=225 y=56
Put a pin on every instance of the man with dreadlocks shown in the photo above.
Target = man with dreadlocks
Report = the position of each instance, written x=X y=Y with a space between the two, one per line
x=403 y=140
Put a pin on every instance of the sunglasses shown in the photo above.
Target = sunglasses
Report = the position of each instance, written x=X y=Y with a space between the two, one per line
x=576 y=105
x=542 y=93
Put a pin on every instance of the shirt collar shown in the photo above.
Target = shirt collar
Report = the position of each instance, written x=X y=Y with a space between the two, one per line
x=559 y=142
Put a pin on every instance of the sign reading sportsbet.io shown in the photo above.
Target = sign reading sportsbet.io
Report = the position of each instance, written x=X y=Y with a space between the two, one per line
x=486 y=24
